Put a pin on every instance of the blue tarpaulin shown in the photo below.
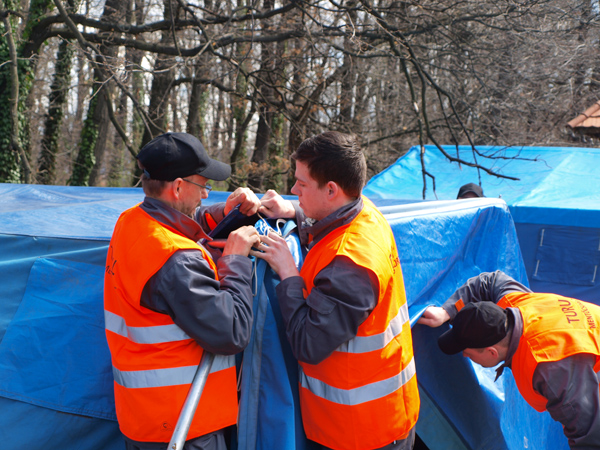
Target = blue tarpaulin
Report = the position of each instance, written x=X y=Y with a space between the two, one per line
x=55 y=382
x=555 y=204
x=55 y=375
x=269 y=405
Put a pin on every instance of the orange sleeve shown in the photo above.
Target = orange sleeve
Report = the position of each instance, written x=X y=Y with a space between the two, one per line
x=210 y=221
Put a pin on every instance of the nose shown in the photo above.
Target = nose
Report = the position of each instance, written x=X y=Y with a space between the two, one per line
x=294 y=189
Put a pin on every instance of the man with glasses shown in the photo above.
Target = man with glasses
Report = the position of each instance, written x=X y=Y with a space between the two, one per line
x=166 y=301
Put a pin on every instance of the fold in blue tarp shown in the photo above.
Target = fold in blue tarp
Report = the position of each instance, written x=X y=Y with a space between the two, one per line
x=61 y=310
x=269 y=415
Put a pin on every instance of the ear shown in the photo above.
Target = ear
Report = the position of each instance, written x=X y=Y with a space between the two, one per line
x=332 y=189
x=176 y=187
x=493 y=352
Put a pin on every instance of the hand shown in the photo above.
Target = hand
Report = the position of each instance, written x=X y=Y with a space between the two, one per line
x=274 y=205
x=276 y=252
x=248 y=201
x=241 y=241
x=434 y=316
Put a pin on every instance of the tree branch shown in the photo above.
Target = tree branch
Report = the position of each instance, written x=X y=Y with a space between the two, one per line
x=85 y=44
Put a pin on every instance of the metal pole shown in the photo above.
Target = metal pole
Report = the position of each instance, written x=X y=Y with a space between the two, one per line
x=191 y=402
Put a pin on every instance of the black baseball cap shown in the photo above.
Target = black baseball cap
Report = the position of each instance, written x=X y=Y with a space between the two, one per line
x=178 y=155
x=470 y=188
x=477 y=325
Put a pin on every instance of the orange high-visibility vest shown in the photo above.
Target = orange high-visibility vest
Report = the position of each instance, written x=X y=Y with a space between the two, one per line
x=154 y=361
x=554 y=328
x=365 y=394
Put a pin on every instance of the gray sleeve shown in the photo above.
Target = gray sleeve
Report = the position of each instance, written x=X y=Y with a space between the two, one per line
x=485 y=287
x=571 y=388
x=342 y=298
x=216 y=314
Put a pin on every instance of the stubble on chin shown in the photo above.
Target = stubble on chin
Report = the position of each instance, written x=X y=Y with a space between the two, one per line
x=192 y=212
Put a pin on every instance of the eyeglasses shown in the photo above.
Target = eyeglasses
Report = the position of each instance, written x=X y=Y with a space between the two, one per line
x=208 y=187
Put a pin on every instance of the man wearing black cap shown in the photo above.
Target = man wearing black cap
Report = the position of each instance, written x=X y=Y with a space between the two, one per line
x=470 y=190
x=166 y=301
x=550 y=342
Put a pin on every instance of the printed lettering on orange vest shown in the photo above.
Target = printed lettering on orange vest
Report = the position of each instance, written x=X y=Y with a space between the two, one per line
x=110 y=267
x=395 y=261
x=572 y=315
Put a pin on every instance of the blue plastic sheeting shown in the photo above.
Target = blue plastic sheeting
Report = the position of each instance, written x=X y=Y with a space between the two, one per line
x=441 y=244
x=555 y=186
x=555 y=205
x=563 y=260
x=26 y=426
x=71 y=213
x=54 y=363
x=41 y=330
x=269 y=404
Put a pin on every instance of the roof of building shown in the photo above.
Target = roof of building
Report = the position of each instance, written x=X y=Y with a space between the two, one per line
x=587 y=122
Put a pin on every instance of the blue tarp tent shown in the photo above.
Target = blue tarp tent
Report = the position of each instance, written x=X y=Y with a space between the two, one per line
x=555 y=204
x=55 y=378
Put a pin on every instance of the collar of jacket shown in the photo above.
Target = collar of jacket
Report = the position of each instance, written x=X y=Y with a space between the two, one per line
x=338 y=218
x=172 y=218
x=515 y=329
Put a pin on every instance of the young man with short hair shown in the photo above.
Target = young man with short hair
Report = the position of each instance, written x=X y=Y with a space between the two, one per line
x=345 y=312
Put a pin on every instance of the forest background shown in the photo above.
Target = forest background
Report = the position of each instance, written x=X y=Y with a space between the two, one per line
x=84 y=84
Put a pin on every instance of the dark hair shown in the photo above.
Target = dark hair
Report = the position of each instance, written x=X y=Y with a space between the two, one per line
x=337 y=157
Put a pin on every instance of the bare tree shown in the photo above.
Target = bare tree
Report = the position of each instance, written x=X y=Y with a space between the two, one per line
x=253 y=79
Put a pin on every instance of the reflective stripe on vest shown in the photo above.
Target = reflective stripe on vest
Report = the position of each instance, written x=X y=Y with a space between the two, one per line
x=365 y=344
x=136 y=379
x=144 y=335
x=360 y=394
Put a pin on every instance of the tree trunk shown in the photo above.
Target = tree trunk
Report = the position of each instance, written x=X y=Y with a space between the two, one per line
x=197 y=104
x=348 y=76
x=54 y=117
x=119 y=159
x=95 y=128
x=102 y=122
x=15 y=84
x=137 y=83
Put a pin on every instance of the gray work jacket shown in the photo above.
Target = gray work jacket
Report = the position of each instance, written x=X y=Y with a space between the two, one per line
x=570 y=385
